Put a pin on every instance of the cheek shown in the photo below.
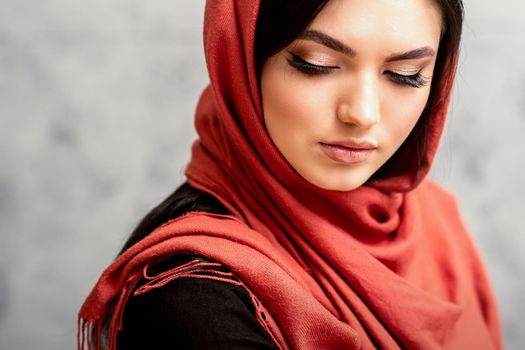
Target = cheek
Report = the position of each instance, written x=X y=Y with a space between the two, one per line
x=292 y=108
x=401 y=113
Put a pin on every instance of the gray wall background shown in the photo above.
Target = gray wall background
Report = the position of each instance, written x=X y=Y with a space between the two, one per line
x=96 y=121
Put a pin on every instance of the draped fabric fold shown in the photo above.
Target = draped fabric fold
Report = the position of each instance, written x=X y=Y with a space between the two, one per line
x=388 y=265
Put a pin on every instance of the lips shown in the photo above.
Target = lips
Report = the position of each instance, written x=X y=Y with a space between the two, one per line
x=353 y=144
x=348 y=152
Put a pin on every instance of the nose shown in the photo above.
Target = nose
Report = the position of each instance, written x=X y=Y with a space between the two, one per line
x=360 y=103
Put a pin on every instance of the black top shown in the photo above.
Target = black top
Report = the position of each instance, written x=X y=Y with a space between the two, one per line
x=192 y=313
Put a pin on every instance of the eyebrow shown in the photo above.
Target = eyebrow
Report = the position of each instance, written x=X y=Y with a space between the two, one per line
x=328 y=41
x=337 y=45
x=421 y=52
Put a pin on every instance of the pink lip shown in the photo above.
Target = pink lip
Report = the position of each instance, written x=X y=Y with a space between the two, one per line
x=353 y=144
x=349 y=151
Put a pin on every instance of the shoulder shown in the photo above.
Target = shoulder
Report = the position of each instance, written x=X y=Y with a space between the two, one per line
x=438 y=214
x=436 y=211
x=195 y=311
x=430 y=188
x=435 y=200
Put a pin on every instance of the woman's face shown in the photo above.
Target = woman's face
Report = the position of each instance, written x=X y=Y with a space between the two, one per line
x=341 y=99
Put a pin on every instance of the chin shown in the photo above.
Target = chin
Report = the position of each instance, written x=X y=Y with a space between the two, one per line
x=337 y=184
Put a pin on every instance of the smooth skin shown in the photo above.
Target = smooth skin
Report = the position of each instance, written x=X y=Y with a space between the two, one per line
x=362 y=71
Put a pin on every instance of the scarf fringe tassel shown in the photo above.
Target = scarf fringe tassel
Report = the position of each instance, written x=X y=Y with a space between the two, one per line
x=89 y=332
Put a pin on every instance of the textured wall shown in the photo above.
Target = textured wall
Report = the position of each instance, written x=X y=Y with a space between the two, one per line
x=96 y=106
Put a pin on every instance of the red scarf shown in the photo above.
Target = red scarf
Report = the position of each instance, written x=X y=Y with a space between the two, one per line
x=388 y=265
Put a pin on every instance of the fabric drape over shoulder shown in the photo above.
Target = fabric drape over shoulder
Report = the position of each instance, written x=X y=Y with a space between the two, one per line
x=388 y=265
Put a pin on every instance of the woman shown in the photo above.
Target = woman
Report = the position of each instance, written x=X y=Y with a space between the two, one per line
x=307 y=220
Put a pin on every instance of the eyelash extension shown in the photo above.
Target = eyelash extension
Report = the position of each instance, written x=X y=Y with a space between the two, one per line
x=308 y=68
x=414 y=80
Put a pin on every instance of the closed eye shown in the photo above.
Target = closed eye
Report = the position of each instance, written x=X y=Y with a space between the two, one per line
x=308 y=68
x=414 y=80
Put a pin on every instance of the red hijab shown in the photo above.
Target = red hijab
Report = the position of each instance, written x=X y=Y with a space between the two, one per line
x=388 y=265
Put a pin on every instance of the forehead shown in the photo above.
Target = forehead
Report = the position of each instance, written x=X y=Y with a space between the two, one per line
x=392 y=24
